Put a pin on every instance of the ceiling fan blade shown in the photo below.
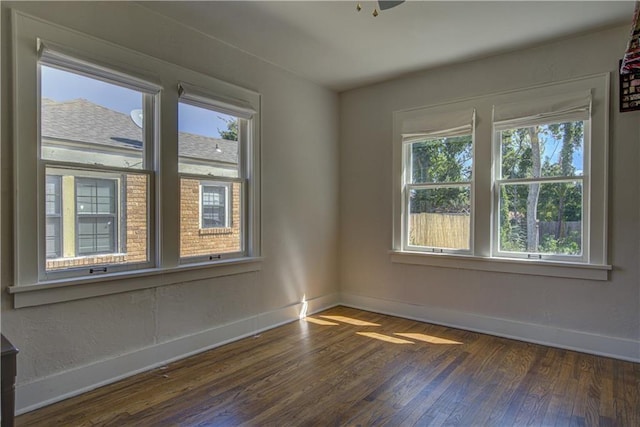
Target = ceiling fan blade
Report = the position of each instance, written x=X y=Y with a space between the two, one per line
x=384 y=5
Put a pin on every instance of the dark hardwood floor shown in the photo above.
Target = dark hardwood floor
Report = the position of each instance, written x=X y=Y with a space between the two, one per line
x=351 y=367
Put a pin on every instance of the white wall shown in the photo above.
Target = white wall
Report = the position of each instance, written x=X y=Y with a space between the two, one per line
x=601 y=317
x=67 y=347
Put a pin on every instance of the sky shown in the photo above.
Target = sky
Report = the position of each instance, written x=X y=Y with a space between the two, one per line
x=64 y=86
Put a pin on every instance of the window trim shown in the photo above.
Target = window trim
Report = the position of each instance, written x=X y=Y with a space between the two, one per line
x=29 y=286
x=481 y=257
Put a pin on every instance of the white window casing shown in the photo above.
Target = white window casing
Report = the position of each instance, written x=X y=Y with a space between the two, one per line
x=37 y=42
x=581 y=99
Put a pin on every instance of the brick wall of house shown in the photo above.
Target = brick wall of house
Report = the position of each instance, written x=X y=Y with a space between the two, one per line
x=193 y=240
x=136 y=201
x=196 y=241
x=136 y=231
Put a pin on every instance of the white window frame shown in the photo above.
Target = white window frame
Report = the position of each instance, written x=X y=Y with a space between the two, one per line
x=246 y=115
x=549 y=118
x=30 y=287
x=429 y=125
x=53 y=55
x=484 y=255
x=227 y=203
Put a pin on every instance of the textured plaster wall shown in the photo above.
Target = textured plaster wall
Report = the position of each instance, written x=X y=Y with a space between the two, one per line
x=299 y=204
x=609 y=308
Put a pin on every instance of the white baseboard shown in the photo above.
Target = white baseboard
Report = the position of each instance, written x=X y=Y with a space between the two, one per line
x=60 y=386
x=618 y=348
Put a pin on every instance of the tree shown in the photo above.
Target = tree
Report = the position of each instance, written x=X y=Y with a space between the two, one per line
x=441 y=160
x=534 y=191
x=231 y=133
x=534 y=217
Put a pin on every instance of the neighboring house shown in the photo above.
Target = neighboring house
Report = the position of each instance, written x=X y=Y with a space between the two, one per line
x=93 y=220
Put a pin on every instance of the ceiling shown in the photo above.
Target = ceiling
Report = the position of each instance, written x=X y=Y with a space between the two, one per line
x=330 y=43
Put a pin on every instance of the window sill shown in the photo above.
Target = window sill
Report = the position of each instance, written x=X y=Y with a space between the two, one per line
x=215 y=231
x=505 y=265
x=51 y=292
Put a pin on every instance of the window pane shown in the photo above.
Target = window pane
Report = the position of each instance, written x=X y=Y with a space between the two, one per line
x=207 y=142
x=440 y=217
x=84 y=120
x=95 y=196
x=550 y=150
x=103 y=219
x=207 y=226
x=96 y=235
x=52 y=238
x=541 y=218
x=442 y=160
x=214 y=206
x=52 y=197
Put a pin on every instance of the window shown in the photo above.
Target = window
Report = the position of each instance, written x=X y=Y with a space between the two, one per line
x=438 y=165
x=94 y=148
x=103 y=186
x=540 y=179
x=213 y=206
x=517 y=178
x=213 y=139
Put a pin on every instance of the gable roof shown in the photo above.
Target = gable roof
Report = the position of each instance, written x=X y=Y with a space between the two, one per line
x=82 y=121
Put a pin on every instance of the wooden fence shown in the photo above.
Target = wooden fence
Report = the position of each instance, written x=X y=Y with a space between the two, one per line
x=439 y=230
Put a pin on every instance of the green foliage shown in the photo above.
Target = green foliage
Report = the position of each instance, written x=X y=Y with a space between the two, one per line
x=231 y=133
x=559 y=204
x=442 y=160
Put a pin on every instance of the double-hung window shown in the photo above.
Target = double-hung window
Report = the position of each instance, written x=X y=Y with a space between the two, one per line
x=94 y=169
x=541 y=149
x=437 y=191
x=214 y=135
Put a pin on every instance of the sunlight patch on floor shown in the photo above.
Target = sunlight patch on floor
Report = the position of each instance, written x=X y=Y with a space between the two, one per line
x=386 y=338
x=320 y=322
x=427 y=338
x=350 y=320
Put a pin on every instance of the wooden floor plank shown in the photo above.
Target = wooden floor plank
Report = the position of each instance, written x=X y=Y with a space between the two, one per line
x=351 y=367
